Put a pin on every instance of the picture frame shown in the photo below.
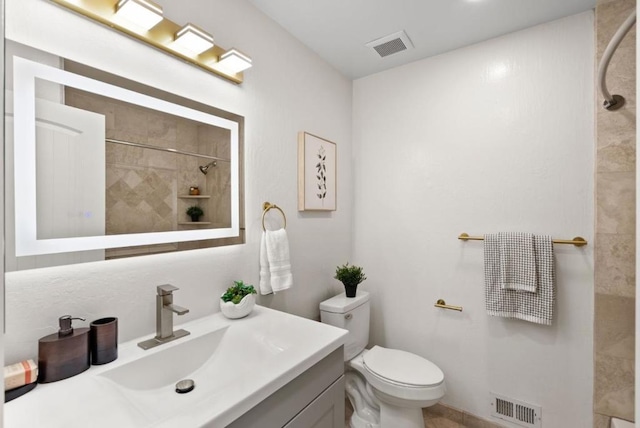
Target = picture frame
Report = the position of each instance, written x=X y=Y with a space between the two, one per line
x=317 y=173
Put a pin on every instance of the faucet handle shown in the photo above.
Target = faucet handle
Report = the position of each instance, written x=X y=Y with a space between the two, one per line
x=166 y=289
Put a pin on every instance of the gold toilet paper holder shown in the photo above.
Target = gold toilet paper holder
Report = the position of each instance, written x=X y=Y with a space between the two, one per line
x=442 y=304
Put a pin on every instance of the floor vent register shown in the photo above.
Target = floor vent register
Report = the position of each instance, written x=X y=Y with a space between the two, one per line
x=515 y=411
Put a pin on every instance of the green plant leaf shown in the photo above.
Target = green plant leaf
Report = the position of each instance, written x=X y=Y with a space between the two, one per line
x=237 y=292
x=350 y=275
x=195 y=210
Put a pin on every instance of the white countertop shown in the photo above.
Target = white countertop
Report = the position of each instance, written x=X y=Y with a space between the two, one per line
x=276 y=347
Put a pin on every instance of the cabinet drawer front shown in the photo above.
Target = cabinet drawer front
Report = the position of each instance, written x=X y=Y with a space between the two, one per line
x=326 y=411
x=286 y=403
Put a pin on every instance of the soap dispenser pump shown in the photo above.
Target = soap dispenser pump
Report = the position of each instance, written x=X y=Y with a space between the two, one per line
x=65 y=353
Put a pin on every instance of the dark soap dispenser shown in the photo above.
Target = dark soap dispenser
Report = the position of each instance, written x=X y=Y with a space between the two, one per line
x=65 y=353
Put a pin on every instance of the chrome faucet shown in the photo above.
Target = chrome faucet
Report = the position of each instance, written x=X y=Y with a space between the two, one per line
x=164 y=318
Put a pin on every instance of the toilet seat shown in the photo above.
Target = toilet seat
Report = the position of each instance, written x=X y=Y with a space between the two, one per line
x=402 y=368
x=392 y=390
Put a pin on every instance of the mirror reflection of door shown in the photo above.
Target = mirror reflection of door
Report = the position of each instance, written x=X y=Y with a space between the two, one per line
x=70 y=181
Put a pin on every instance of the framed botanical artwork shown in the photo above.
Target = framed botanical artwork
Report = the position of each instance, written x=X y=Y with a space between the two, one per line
x=316 y=173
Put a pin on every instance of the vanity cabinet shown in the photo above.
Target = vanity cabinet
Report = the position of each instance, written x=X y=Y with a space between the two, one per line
x=326 y=411
x=314 y=399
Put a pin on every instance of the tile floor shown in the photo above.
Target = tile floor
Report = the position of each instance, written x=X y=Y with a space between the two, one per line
x=440 y=416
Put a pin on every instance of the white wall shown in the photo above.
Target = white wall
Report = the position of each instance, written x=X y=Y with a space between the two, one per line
x=493 y=137
x=289 y=89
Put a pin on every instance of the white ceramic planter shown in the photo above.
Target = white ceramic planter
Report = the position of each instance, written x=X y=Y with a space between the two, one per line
x=242 y=309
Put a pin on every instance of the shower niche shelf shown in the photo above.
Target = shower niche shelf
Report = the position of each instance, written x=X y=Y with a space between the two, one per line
x=194 y=196
x=194 y=223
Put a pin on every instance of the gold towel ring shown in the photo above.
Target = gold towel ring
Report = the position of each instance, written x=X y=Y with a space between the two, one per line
x=266 y=207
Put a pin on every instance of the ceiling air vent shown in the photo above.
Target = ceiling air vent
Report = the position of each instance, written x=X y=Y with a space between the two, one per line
x=393 y=43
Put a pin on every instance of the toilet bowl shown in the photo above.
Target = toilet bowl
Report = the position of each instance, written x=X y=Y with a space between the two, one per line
x=402 y=383
x=386 y=387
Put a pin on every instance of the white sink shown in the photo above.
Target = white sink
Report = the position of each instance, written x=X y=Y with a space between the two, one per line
x=235 y=364
x=169 y=365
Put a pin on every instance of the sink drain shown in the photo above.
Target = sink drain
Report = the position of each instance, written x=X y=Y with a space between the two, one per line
x=184 y=386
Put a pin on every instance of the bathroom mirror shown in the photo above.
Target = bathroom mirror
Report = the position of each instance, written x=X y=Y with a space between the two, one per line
x=104 y=167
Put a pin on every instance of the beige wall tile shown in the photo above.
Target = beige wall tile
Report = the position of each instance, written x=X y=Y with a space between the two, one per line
x=615 y=326
x=602 y=2
x=615 y=264
x=140 y=200
x=188 y=174
x=187 y=135
x=616 y=153
x=615 y=202
x=132 y=120
x=614 y=386
x=615 y=124
x=162 y=129
x=91 y=102
x=609 y=16
x=614 y=332
x=601 y=421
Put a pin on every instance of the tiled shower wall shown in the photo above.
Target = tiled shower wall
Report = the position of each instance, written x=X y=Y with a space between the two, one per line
x=146 y=189
x=615 y=225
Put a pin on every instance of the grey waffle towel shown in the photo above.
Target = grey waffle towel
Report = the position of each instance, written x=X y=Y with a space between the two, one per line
x=517 y=261
x=535 y=307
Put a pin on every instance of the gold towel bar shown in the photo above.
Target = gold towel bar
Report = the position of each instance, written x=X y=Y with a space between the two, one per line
x=442 y=304
x=577 y=241
x=266 y=207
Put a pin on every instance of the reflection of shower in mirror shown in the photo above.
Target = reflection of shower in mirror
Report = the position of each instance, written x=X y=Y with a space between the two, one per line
x=153 y=166
x=204 y=169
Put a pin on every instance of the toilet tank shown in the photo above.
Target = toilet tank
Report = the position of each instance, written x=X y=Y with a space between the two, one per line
x=350 y=313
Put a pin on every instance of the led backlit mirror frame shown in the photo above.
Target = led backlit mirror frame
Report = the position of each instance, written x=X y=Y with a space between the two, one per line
x=27 y=243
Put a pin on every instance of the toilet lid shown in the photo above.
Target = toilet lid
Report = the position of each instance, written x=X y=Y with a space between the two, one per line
x=402 y=367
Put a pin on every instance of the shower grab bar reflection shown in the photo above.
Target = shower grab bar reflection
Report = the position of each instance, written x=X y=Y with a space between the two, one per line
x=164 y=149
x=578 y=241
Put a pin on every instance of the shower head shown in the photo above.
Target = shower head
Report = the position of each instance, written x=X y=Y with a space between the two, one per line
x=205 y=168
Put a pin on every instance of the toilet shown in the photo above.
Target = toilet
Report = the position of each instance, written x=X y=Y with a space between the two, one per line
x=386 y=387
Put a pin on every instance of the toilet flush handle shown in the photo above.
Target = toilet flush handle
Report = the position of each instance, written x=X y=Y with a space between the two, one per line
x=348 y=316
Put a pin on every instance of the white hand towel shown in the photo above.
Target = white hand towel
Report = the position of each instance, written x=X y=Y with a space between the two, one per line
x=265 y=277
x=278 y=257
x=517 y=261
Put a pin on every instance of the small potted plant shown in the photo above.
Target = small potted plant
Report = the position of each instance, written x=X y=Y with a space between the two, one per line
x=194 y=212
x=350 y=276
x=238 y=301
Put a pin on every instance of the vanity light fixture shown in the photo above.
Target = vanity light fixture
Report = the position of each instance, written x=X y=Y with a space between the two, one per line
x=143 y=13
x=234 y=61
x=163 y=34
x=194 y=39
